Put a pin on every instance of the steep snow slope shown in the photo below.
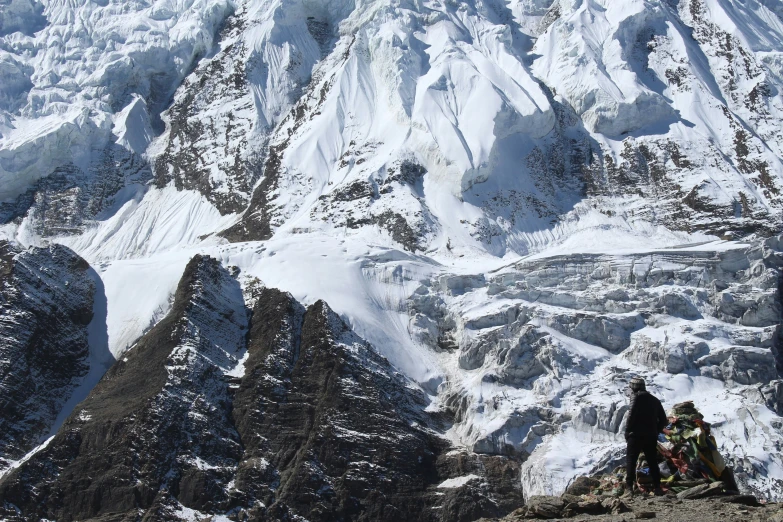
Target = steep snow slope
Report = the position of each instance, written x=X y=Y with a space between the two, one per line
x=396 y=158
x=82 y=92
x=665 y=114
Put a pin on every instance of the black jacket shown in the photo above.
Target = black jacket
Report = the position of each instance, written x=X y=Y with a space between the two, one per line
x=646 y=418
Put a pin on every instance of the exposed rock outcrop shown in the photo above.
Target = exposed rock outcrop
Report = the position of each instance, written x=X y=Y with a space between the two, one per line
x=277 y=414
x=156 y=427
x=46 y=304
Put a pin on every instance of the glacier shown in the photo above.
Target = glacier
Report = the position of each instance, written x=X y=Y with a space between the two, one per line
x=519 y=203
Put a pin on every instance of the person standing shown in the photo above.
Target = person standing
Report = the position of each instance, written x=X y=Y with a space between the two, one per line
x=646 y=419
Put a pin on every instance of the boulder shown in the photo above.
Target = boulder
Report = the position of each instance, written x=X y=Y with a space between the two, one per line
x=584 y=507
x=702 y=491
x=582 y=486
x=615 y=506
x=545 y=507
x=745 y=500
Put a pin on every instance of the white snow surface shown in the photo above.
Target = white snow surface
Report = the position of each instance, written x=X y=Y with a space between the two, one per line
x=15 y=464
x=466 y=89
x=457 y=481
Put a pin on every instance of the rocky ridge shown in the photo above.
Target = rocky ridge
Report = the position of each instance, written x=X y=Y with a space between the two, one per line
x=46 y=304
x=275 y=415
x=118 y=450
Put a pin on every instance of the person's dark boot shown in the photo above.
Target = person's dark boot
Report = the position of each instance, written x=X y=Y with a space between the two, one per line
x=630 y=492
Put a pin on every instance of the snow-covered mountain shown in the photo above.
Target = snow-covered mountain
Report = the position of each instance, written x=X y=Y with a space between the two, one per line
x=519 y=204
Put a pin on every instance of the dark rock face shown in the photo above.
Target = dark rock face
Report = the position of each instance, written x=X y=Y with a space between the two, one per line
x=342 y=435
x=399 y=229
x=46 y=303
x=286 y=416
x=156 y=427
x=365 y=203
x=262 y=213
x=343 y=432
x=659 y=167
x=66 y=201
x=496 y=488
x=197 y=129
x=256 y=221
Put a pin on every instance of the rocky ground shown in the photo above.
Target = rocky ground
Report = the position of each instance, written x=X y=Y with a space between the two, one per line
x=512 y=208
x=665 y=509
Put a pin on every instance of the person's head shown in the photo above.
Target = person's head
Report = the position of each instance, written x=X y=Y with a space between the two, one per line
x=637 y=385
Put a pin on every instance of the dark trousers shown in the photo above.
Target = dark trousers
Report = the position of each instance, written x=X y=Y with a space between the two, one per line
x=636 y=447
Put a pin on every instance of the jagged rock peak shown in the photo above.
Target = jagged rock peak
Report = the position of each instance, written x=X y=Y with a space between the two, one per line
x=277 y=414
x=157 y=424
